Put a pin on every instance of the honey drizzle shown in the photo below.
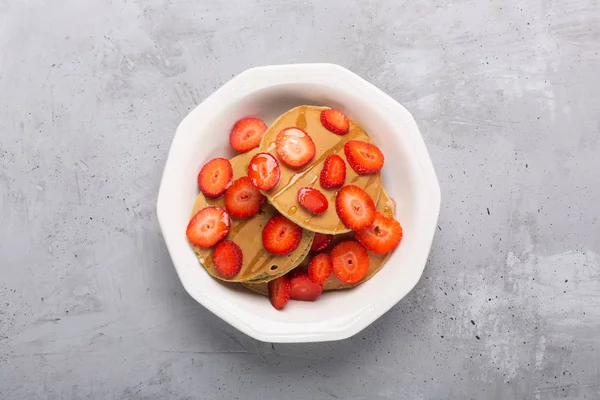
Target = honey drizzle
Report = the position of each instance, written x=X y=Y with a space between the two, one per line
x=252 y=266
x=301 y=120
x=237 y=225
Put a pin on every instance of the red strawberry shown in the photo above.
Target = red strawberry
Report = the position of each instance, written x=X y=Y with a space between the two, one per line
x=243 y=199
x=208 y=227
x=215 y=176
x=350 y=261
x=246 y=134
x=281 y=236
x=263 y=171
x=303 y=289
x=364 y=158
x=313 y=200
x=381 y=237
x=295 y=147
x=333 y=174
x=320 y=268
x=228 y=258
x=321 y=242
x=279 y=292
x=335 y=121
x=355 y=207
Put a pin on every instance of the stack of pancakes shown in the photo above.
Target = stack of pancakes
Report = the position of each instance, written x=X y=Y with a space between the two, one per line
x=259 y=266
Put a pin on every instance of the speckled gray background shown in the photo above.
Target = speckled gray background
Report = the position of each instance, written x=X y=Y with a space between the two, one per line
x=507 y=95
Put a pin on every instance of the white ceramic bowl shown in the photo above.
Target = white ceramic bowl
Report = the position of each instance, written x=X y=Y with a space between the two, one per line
x=408 y=177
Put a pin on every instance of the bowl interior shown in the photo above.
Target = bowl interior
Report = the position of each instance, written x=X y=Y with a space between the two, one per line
x=204 y=135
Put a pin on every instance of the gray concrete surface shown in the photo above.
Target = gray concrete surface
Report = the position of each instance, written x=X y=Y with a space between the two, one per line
x=508 y=98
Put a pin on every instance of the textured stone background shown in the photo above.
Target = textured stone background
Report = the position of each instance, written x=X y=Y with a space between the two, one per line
x=506 y=94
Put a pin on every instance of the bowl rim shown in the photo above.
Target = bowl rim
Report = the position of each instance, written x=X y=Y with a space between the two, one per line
x=268 y=76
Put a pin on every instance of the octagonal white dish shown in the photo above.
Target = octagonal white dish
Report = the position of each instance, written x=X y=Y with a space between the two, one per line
x=408 y=177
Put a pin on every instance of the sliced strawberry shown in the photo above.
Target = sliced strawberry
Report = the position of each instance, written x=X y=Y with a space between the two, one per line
x=243 y=199
x=208 y=227
x=335 y=121
x=215 y=176
x=279 y=292
x=321 y=241
x=281 y=236
x=333 y=174
x=313 y=200
x=364 y=158
x=246 y=134
x=295 y=147
x=320 y=268
x=355 y=207
x=228 y=258
x=350 y=261
x=303 y=288
x=263 y=171
x=381 y=237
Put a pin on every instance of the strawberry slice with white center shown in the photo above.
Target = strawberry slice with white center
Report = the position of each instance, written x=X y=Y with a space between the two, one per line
x=228 y=258
x=333 y=174
x=364 y=158
x=295 y=147
x=350 y=261
x=209 y=226
x=335 y=121
x=355 y=207
x=281 y=236
x=215 y=177
x=243 y=199
x=320 y=268
x=312 y=200
x=264 y=171
x=381 y=237
x=246 y=134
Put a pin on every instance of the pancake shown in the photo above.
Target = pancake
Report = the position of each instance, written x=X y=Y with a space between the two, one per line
x=258 y=264
x=376 y=261
x=284 y=196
